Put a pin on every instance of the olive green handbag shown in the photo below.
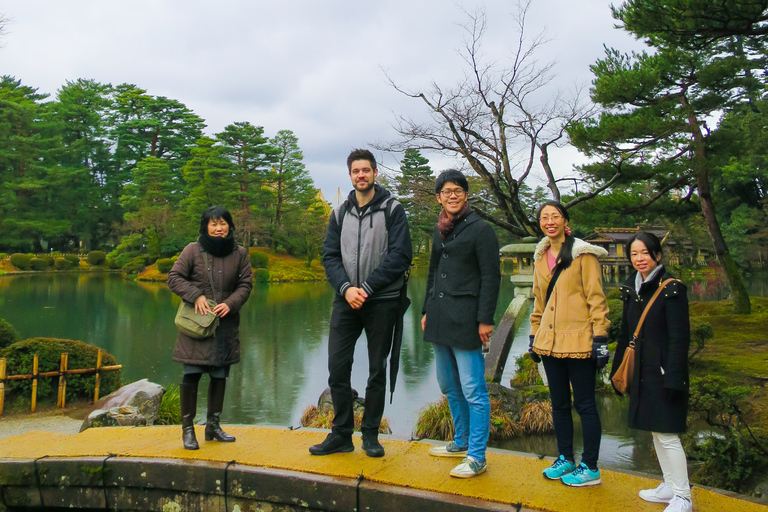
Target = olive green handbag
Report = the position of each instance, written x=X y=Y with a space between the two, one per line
x=193 y=324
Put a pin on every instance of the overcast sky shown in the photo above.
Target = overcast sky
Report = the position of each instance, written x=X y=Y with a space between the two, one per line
x=314 y=67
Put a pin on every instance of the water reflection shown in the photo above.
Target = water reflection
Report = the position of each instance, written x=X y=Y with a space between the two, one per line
x=284 y=330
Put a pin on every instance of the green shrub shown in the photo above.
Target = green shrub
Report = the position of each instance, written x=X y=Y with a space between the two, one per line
x=39 y=264
x=170 y=408
x=164 y=265
x=61 y=264
x=73 y=259
x=96 y=258
x=135 y=266
x=8 y=335
x=732 y=457
x=47 y=258
x=701 y=333
x=19 y=358
x=261 y=275
x=613 y=294
x=259 y=259
x=21 y=261
x=526 y=372
x=3 y=255
x=111 y=263
x=55 y=254
x=614 y=315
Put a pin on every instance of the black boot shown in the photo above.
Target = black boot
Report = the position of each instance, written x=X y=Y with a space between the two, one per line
x=215 y=404
x=188 y=403
x=371 y=444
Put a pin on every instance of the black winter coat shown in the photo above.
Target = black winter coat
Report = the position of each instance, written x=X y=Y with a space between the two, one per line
x=232 y=277
x=463 y=284
x=661 y=354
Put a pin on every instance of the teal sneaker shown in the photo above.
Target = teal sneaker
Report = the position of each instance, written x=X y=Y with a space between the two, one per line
x=582 y=476
x=559 y=468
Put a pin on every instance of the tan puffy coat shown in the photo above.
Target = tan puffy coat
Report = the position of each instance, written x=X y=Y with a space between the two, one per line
x=576 y=311
x=232 y=277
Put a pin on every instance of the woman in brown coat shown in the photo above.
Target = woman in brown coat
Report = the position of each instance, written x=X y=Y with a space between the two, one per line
x=230 y=272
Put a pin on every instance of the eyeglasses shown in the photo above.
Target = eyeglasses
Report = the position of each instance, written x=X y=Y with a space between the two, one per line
x=458 y=192
x=553 y=218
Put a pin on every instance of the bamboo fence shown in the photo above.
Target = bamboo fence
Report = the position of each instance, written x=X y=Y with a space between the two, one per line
x=61 y=373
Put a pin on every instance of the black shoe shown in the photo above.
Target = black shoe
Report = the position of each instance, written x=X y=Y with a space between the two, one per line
x=188 y=405
x=215 y=404
x=334 y=443
x=372 y=446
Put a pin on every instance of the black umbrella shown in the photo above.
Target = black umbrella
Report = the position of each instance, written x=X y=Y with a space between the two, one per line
x=397 y=338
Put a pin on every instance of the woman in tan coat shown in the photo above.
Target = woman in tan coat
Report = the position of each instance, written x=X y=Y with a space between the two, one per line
x=569 y=329
x=229 y=269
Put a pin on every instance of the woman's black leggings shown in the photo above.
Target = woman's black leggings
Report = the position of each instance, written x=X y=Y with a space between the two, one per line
x=191 y=378
x=562 y=373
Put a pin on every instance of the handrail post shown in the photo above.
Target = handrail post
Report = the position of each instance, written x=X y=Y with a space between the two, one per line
x=34 y=382
x=2 y=384
x=61 y=401
x=98 y=377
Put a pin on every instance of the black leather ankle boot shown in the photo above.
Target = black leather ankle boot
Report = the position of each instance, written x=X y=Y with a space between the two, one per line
x=188 y=403
x=215 y=404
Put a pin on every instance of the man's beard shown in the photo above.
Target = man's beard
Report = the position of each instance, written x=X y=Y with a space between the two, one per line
x=368 y=186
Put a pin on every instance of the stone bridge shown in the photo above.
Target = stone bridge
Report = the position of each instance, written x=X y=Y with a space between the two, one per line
x=269 y=469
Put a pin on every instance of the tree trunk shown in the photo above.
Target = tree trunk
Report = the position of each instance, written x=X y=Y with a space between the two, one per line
x=741 y=304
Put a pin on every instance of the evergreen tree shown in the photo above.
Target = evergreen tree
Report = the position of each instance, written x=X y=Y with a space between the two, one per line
x=415 y=187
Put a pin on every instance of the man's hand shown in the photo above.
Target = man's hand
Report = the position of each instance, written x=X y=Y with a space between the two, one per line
x=424 y=322
x=201 y=306
x=221 y=310
x=355 y=297
x=484 y=330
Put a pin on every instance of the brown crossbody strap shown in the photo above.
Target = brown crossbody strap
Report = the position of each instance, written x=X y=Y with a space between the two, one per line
x=648 y=307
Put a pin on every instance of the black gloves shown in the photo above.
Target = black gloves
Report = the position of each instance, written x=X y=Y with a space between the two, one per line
x=600 y=351
x=672 y=395
x=536 y=357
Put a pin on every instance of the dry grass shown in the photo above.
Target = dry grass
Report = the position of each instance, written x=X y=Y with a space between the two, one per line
x=537 y=418
x=315 y=418
x=435 y=421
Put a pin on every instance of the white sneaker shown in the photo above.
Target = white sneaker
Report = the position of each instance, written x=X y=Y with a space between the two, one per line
x=661 y=494
x=679 y=504
x=468 y=468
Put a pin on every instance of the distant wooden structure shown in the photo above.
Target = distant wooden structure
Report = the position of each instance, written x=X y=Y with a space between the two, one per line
x=62 y=373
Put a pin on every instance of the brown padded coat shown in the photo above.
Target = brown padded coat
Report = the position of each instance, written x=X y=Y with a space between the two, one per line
x=232 y=278
x=577 y=309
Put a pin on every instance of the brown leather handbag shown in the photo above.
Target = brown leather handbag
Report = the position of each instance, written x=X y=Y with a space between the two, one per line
x=622 y=379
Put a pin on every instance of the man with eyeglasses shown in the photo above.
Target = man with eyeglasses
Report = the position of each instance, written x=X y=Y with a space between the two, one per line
x=462 y=290
x=366 y=252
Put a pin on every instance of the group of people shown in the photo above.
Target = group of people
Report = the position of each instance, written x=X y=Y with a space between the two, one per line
x=366 y=256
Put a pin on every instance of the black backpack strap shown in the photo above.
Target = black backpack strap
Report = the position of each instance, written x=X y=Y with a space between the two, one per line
x=553 y=281
x=388 y=212
x=341 y=214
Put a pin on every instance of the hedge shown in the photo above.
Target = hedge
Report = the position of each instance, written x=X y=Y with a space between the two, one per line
x=8 y=335
x=39 y=264
x=21 y=261
x=3 y=255
x=96 y=258
x=164 y=265
x=19 y=358
x=73 y=259
x=259 y=259
x=47 y=258
x=61 y=264
x=135 y=266
x=261 y=275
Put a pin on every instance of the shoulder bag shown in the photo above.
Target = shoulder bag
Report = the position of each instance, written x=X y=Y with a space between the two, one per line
x=193 y=324
x=622 y=379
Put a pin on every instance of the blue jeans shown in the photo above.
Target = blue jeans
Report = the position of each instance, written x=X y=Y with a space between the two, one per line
x=461 y=375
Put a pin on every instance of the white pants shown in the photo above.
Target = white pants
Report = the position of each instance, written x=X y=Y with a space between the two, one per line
x=674 y=466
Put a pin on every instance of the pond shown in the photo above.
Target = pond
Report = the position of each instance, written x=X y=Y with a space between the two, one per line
x=284 y=331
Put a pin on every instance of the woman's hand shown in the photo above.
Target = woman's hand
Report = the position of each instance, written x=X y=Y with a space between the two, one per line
x=221 y=309
x=485 y=330
x=424 y=322
x=201 y=306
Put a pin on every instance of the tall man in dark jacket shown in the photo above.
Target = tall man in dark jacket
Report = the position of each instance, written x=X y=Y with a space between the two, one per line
x=366 y=253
